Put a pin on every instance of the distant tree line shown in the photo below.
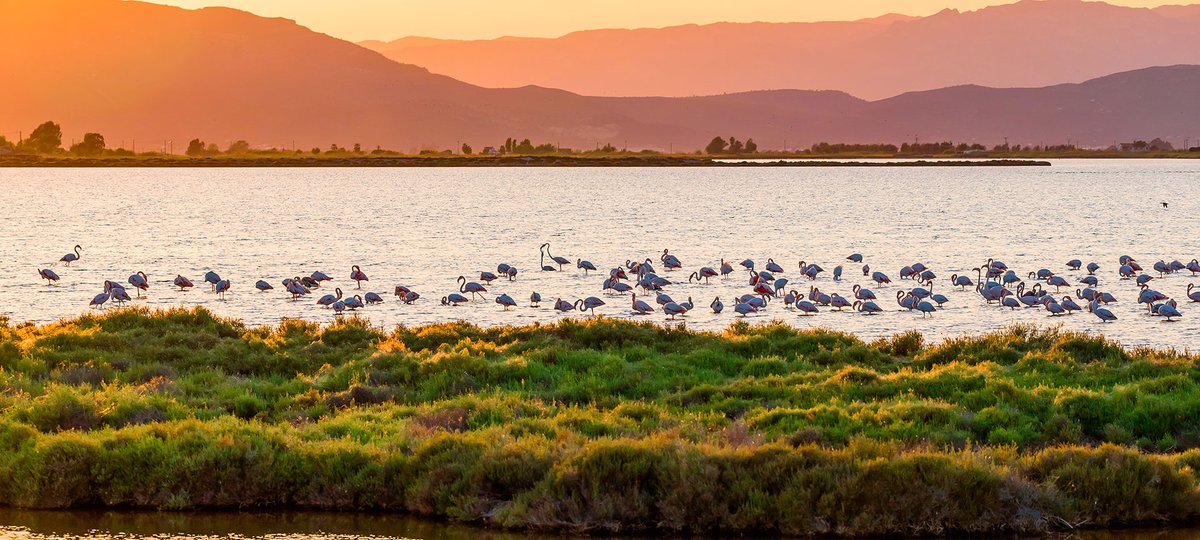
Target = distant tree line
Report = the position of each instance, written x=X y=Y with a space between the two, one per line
x=732 y=146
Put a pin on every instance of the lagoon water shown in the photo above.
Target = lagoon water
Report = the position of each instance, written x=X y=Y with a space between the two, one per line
x=423 y=227
x=130 y=525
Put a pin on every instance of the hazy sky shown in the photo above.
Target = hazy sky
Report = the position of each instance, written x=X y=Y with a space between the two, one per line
x=358 y=20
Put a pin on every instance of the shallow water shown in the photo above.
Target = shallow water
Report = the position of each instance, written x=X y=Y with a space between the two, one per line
x=127 y=525
x=425 y=227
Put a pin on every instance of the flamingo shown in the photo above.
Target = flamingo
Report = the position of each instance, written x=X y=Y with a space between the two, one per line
x=940 y=299
x=670 y=262
x=925 y=308
x=640 y=307
x=410 y=297
x=962 y=282
x=867 y=307
x=672 y=309
x=880 y=278
x=1193 y=267
x=585 y=265
x=222 y=287
x=1010 y=303
x=1074 y=264
x=99 y=300
x=1104 y=314
x=183 y=283
x=1168 y=311
x=506 y=301
x=1069 y=305
x=487 y=277
x=263 y=286
x=310 y=282
x=726 y=268
x=320 y=276
x=373 y=298
x=806 y=308
x=838 y=302
x=1092 y=267
x=48 y=275
x=704 y=273
x=329 y=299
x=747 y=264
x=296 y=288
x=1089 y=280
x=772 y=267
x=338 y=307
x=563 y=305
x=855 y=258
x=906 y=300
x=1058 y=281
x=863 y=294
x=589 y=304
x=1194 y=296
x=663 y=299
x=117 y=292
x=212 y=278
x=743 y=309
x=718 y=307
x=535 y=299
x=1052 y=306
x=358 y=276
x=560 y=261
x=470 y=287
x=455 y=299
x=354 y=302
x=139 y=282
x=837 y=273
x=866 y=270
x=71 y=257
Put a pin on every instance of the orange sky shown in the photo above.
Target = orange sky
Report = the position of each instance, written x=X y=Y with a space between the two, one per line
x=358 y=20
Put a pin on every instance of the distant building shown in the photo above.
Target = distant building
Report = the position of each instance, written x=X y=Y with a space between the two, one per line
x=491 y=151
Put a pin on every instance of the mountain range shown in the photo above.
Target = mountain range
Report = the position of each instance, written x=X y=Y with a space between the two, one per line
x=134 y=70
x=1026 y=44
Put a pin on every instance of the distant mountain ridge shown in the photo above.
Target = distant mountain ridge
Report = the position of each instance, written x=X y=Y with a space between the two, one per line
x=157 y=74
x=1029 y=43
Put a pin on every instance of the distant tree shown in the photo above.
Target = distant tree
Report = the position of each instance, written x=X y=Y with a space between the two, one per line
x=751 y=146
x=4 y=143
x=716 y=146
x=466 y=149
x=45 y=139
x=357 y=148
x=212 y=149
x=526 y=147
x=334 y=148
x=195 y=148
x=735 y=146
x=316 y=151
x=92 y=145
x=238 y=147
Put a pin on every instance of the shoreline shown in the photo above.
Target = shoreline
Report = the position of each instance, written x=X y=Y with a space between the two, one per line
x=600 y=426
x=480 y=161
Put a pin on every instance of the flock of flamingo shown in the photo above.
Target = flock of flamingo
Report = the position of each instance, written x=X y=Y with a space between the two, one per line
x=766 y=285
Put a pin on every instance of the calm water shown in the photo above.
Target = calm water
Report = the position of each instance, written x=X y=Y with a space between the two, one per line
x=425 y=227
x=27 y=525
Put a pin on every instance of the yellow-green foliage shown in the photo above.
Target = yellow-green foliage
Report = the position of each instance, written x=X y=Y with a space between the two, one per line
x=599 y=425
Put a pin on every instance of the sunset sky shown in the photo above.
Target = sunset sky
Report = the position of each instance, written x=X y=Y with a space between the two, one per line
x=358 y=20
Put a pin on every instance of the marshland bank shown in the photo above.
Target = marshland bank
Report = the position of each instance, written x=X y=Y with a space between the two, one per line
x=600 y=425
x=485 y=161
